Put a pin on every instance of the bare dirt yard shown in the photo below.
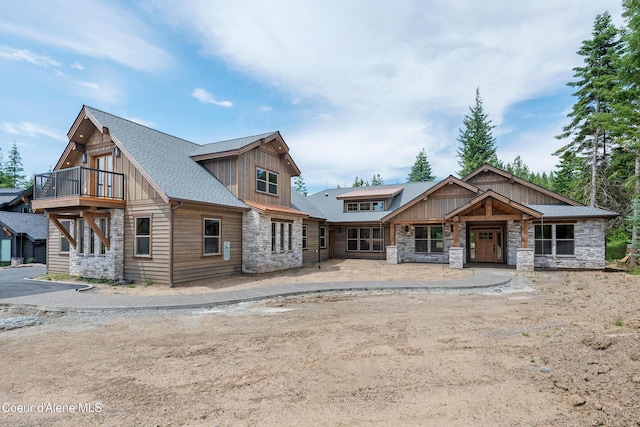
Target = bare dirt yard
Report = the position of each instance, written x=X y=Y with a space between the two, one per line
x=550 y=349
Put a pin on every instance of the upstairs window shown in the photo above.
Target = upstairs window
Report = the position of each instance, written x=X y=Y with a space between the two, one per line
x=375 y=206
x=266 y=182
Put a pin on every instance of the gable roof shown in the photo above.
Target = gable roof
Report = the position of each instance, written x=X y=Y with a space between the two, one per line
x=490 y=193
x=34 y=226
x=165 y=161
x=512 y=177
x=8 y=196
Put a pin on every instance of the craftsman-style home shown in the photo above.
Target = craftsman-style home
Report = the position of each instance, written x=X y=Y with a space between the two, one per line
x=127 y=201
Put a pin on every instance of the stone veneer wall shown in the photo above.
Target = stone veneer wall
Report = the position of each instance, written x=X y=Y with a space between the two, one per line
x=256 y=244
x=97 y=266
x=524 y=259
x=405 y=241
x=589 y=237
x=514 y=241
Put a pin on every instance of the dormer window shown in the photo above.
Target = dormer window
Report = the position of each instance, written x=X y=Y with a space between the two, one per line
x=266 y=182
x=375 y=206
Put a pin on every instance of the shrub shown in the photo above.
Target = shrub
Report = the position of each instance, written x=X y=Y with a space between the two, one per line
x=615 y=250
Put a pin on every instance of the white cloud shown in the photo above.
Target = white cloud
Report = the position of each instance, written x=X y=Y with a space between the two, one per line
x=90 y=85
x=266 y=108
x=11 y=54
x=96 y=29
x=31 y=130
x=77 y=66
x=208 y=98
x=393 y=76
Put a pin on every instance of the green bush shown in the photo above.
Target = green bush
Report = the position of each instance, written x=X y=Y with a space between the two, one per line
x=616 y=250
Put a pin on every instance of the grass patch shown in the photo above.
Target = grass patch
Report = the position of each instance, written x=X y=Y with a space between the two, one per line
x=618 y=321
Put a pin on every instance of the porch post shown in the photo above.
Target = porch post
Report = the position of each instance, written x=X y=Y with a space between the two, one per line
x=525 y=258
x=456 y=253
x=524 y=231
x=456 y=232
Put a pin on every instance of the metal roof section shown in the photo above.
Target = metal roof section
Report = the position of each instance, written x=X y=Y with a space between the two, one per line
x=33 y=226
x=568 y=212
x=167 y=162
x=369 y=193
x=265 y=207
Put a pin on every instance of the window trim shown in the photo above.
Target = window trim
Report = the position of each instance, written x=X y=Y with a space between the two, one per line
x=322 y=237
x=357 y=206
x=430 y=240
x=205 y=237
x=554 y=240
x=136 y=235
x=69 y=230
x=304 y=237
x=80 y=237
x=267 y=182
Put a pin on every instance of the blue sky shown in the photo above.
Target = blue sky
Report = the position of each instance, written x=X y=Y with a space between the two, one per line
x=355 y=87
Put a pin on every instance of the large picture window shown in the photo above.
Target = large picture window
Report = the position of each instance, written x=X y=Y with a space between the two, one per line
x=142 y=246
x=365 y=239
x=554 y=239
x=429 y=239
x=266 y=182
x=211 y=238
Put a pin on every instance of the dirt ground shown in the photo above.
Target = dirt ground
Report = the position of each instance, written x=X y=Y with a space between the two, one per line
x=551 y=349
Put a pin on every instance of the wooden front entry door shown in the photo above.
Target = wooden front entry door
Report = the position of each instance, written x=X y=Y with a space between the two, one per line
x=486 y=245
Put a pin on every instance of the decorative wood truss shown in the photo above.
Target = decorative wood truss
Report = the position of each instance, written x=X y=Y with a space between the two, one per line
x=89 y=217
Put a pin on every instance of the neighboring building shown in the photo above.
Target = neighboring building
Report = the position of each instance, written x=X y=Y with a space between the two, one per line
x=127 y=201
x=23 y=235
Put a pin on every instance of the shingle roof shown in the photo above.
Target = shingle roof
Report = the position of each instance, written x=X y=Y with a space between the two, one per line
x=8 y=195
x=166 y=160
x=566 y=211
x=333 y=209
x=34 y=226
x=302 y=203
x=228 y=145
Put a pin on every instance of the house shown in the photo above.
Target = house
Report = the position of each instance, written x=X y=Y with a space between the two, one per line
x=128 y=201
x=23 y=235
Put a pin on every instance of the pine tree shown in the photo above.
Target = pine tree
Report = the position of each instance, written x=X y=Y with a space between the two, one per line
x=421 y=169
x=377 y=180
x=478 y=143
x=299 y=185
x=592 y=123
x=13 y=168
x=359 y=182
x=565 y=180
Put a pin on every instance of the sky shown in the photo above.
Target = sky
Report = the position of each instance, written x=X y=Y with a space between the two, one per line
x=355 y=87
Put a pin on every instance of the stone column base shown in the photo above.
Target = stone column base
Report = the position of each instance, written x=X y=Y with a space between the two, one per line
x=456 y=255
x=392 y=254
x=524 y=259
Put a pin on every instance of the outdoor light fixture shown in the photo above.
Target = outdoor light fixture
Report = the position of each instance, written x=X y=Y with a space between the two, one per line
x=406 y=228
x=84 y=158
x=116 y=151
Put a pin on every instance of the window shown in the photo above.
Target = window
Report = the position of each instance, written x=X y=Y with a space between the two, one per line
x=273 y=237
x=281 y=237
x=64 y=243
x=304 y=237
x=365 y=239
x=429 y=239
x=143 y=237
x=323 y=237
x=266 y=182
x=377 y=206
x=554 y=239
x=92 y=241
x=80 y=235
x=211 y=238
x=290 y=242
x=104 y=227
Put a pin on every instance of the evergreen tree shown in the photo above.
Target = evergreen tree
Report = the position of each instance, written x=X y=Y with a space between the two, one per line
x=5 y=182
x=478 y=143
x=519 y=168
x=13 y=168
x=592 y=123
x=377 y=180
x=566 y=178
x=359 y=182
x=421 y=169
x=299 y=185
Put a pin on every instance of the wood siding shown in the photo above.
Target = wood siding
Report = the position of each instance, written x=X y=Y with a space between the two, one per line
x=437 y=205
x=310 y=255
x=226 y=170
x=190 y=264
x=57 y=263
x=517 y=192
x=339 y=238
x=155 y=267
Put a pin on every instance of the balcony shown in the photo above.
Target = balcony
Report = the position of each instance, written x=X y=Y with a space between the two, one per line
x=78 y=187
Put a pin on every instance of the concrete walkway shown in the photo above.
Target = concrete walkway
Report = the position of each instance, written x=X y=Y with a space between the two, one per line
x=71 y=300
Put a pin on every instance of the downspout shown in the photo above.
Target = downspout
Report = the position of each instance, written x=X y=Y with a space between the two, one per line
x=173 y=209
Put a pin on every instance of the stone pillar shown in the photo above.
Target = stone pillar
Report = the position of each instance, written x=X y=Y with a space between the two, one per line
x=456 y=257
x=392 y=254
x=524 y=259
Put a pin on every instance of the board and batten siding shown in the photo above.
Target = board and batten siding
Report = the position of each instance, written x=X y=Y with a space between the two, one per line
x=155 y=267
x=515 y=191
x=310 y=255
x=226 y=170
x=264 y=157
x=437 y=205
x=190 y=263
x=57 y=263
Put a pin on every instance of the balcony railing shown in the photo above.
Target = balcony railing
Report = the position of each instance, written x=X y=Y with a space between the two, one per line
x=79 y=182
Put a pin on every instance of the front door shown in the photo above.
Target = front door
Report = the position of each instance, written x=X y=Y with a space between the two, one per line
x=486 y=245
